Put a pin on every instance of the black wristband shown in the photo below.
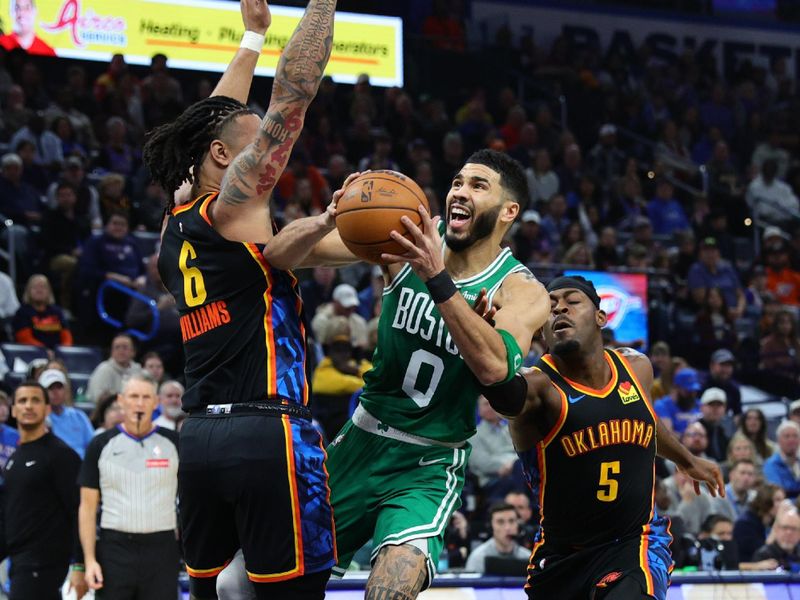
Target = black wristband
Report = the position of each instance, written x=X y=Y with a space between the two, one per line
x=441 y=287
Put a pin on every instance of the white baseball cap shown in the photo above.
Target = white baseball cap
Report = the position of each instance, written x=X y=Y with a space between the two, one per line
x=714 y=394
x=346 y=295
x=51 y=376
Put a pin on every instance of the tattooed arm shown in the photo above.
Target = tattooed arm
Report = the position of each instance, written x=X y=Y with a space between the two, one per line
x=236 y=80
x=251 y=177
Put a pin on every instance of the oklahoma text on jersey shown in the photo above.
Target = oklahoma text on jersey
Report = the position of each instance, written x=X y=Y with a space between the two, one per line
x=607 y=433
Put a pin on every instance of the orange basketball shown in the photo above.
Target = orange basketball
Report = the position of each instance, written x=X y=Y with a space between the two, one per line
x=370 y=209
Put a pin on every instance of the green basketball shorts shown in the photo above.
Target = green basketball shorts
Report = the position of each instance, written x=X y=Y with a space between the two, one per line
x=392 y=492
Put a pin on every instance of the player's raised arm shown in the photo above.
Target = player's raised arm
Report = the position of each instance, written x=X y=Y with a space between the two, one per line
x=493 y=354
x=238 y=76
x=253 y=174
x=668 y=446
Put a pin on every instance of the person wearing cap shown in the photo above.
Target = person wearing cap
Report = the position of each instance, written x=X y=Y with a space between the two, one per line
x=713 y=404
x=530 y=242
x=783 y=467
x=39 y=504
x=680 y=407
x=720 y=375
x=710 y=271
x=344 y=304
x=67 y=422
x=665 y=212
x=782 y=280
x=87 y=207
x=605 y=160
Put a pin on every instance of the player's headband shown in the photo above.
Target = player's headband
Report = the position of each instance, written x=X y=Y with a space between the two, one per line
x=577 y=282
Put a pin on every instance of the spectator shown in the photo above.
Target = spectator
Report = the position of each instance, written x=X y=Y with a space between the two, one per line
x=68 y=423
x=770 y=149
x=740 y=490
x=18 y=200
x=663 y=369
x=665 y=212
x=785 y=548
x=70 y=146
x=39 y=503
x=740 y=448
x=108 y=376
x=772 y=200
x=299 y=169
x=117 y=155
x=606 y=255
x=750 y=530
x=337 y=377
x=112 y=196
x=33 y=173
x=782 y=280
x=527 y=526
x=443 y=30
x=371 y=297
x=531 y=244
x=542 y=180
x=381 y=157
x=63 y=236
x=87 y=206
x=714 y=549
x=318 y=289
x=783 y=467
x=606 y=160
x=780 y=349
x=556 y=222
x=345 y=302
x=720 y=375
x=505 y=528
x=493 y=460
x=714 y=328
x=754 y=427
x=680 y=408
x=39 y=322
x=134 y=469
x=46 y=144
x=154 y=367
x=570 y=172
x=169 y=399
x=9 y=438
x=107 y=414
x=9 y=303
x=457 y=540
x=710 y=271
x=713 y=405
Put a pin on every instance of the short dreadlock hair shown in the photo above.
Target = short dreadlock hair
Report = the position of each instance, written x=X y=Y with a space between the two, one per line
x=174 y=152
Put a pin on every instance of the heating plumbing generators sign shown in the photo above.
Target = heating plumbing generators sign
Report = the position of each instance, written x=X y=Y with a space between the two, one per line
x=194 y=34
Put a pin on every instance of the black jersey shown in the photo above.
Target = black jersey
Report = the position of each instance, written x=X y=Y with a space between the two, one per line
x=596 y=466
x=241 y=319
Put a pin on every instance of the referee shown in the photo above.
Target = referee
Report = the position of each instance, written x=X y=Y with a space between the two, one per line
x=133 y=468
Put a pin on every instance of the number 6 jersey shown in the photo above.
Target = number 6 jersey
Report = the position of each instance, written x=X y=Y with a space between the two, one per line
x=419 y=382
x=241 y=319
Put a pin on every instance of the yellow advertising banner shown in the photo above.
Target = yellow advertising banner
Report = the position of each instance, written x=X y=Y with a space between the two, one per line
x=194 y=34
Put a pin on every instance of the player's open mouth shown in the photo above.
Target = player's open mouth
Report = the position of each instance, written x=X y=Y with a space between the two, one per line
x=458 y=217
x=561 y=325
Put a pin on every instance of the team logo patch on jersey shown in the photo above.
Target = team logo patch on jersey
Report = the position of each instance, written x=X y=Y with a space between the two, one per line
x=157 y=463
x=628 y=393
x=609 y=578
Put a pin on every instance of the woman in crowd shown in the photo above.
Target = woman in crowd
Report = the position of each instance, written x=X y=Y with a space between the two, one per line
x=753 y=425
x=39 y=321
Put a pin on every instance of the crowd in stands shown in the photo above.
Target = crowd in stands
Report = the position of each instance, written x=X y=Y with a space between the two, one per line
x=675 y=170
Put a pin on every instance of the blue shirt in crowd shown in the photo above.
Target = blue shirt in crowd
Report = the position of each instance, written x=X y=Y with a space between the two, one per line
x=667 y=408
x=725 y=279
x=667 y=216
x=9 y=440
x=73 y=427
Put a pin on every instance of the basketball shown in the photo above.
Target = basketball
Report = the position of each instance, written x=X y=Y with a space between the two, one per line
x=370 y=209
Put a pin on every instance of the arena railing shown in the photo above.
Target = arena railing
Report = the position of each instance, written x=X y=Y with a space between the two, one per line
x=142 y=336
x=9 y=253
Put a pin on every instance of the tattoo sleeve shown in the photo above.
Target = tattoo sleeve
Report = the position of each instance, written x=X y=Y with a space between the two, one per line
x=255 y=171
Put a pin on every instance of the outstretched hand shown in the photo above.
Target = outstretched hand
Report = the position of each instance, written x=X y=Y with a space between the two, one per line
x=256 y=16
x=424 y=253
x=705 y=472
x=330 y=212
x=483 y=309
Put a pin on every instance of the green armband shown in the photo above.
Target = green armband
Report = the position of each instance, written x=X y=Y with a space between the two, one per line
x=513 y=355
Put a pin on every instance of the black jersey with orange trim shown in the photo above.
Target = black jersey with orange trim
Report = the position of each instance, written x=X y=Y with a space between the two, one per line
x=241 y=319
x=595 y=468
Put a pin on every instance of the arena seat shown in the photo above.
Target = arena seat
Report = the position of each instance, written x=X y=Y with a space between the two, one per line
x=22 y=352
x=79 y=359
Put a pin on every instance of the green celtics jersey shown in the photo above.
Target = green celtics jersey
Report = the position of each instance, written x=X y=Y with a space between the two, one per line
x=419 y=383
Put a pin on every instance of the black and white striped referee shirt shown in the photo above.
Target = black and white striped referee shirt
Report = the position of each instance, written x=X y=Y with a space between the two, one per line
x=137 y=479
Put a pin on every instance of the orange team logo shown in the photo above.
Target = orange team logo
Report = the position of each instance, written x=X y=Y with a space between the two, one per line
x=610 y=578
x=628 y=393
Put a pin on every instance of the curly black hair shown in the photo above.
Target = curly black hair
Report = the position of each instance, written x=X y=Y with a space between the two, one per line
x=174 y=152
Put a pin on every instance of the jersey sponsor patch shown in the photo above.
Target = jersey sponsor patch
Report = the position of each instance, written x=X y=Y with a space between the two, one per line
x=628 y=393
x=609 y=578
x=157 y=463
